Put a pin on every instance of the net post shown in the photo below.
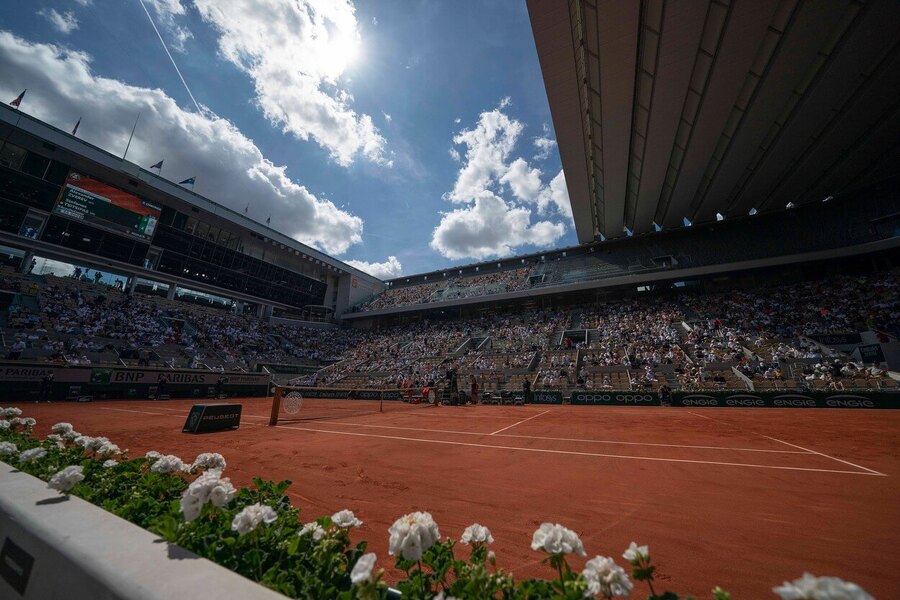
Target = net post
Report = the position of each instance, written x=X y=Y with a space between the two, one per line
x=276 y=406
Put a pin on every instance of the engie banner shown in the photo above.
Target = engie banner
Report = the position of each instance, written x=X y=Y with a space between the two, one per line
x=851 y=399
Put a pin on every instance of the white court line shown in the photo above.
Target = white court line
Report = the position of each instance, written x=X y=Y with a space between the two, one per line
x=520 y=422
x=559 y=439
x=575 y=453
x=846 y=462
x=162 y=414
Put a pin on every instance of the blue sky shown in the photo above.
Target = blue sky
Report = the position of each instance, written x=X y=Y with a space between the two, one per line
x=417 y=130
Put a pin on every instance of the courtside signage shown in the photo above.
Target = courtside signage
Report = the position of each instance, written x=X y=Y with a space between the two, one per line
x=788 y=399
x=614 y=398
x=546 y=398
x=212 y=417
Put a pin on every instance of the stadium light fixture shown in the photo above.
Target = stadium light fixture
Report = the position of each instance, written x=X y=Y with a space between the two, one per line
x=752 y=212
x=720 y=217
x=686 y=222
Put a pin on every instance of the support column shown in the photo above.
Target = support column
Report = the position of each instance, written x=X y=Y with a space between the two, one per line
x=171 y=294
x=25 y=265
x=132 y=284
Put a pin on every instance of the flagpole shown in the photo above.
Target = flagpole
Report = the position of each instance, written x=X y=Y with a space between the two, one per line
x=131 y=136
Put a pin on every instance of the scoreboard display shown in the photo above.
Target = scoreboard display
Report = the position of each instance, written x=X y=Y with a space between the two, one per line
x=86 y=199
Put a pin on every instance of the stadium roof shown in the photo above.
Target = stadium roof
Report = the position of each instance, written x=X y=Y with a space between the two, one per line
x=672 y=110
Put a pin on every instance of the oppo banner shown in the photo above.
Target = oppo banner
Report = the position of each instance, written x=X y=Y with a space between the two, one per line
x=787 y=399
x=614 y=398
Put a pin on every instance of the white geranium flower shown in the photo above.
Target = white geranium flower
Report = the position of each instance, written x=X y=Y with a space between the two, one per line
x=556 y=539
x=810 y=587
x=362 y=570
x=605 y=577
x=71 y=435
x=8 y=449
x=412 y=535
x=66 y=479
x=85 y=441
x=209 y=487
x=250 y=518
x=209 y=460
x=168 y=464
x=17 y=421
x=635 y=553
x=62 y=428
x=152 y=455
x=33 y=454
x=27 y=422
x=107 y=449
x=10 y=412
x=314 y=529
x=109 y=464
x=97 y=443
x=4 y=424
x=54 y=437
x=476 y=534
x=345 y=519
x=442 y=596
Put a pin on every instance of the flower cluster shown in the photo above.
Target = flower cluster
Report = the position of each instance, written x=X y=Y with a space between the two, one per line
x=476 y=534
x=251 y=517
x=556 y=539
x=210 y=488
x=605 y=577
x=345 y=519
x=168 y=464
x=209 y=460
x=8 y=449
x=810 y=587
x=66 y=479
x=33 y=454
x=10 y=412
x=314 y=529
x=412 y=535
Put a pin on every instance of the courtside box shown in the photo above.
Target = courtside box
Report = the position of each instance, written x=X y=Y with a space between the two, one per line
x=212 y=417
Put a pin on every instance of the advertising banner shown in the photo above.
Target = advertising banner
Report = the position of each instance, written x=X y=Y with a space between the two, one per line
x=546 y=397
x=603 y=398
x=851 y=399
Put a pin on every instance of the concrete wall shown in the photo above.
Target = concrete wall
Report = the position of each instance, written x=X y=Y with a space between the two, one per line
x=78 y=551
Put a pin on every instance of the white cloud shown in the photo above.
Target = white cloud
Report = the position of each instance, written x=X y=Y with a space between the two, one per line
x=498 y=192
x=384 y=270
x=374 y=20
x=229 y=167
x=490 y=227
x=457 y=120
x=64 y=23
x=168 y=13
x=387 y=117
x=545 y=146
x=84 y=2
x=296 y=53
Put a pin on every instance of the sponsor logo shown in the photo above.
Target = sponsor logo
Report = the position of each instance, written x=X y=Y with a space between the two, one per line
x=744 y=400
x=221 y=417
x=195 y=416
x=614 y=399
x=849 y=401
x=794 y=400
x=699 y=400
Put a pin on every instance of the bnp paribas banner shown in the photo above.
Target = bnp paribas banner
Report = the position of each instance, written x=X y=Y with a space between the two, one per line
x=850 y=399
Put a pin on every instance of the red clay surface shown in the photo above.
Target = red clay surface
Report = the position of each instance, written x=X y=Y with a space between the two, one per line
x=742 y=498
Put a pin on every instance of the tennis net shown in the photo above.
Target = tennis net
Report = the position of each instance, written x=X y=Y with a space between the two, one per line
x=293 y=403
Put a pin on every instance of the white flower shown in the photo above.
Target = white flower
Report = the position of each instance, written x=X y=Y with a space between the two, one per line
x=168 y=464
x=7 y=448
x=362 y=570
x=71 y=435
x=26 y=421
x=477 y=534
x=33 y=454
x=412 y=535
x=491 y=556
x=635 y=553
x=605 y=577
x=209 y=487
x=62 y=428
x=315 y=529
x=810 y=587
x=209 y=460
x=153 y=454
x=4 y=424
x=17 y=421
x=108 y=448
x=54 y=437
x=556 y=539
x=10 y=412
x=345 y=519
x=109 y=464
x=96 y=443
x=84 y=440
x=249 y=519
x=66 y=479
x=442 y=596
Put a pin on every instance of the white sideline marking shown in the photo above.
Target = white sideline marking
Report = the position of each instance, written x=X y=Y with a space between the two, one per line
x=576 y=453
x=559 y=439
x=520 y=422
x=846 y=462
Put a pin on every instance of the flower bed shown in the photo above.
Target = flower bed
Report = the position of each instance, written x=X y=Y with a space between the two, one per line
x=257 y=533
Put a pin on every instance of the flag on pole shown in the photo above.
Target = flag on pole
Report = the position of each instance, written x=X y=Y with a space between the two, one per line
x=15 y=103
x=158 y=166
x=189 y=180
x=246 y=208
x=75 y=129
x=269 y=220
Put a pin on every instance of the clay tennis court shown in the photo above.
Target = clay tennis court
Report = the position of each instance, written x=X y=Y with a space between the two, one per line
x=743 y=498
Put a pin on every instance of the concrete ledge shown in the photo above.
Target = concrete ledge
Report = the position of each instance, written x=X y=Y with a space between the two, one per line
x=80 y=551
